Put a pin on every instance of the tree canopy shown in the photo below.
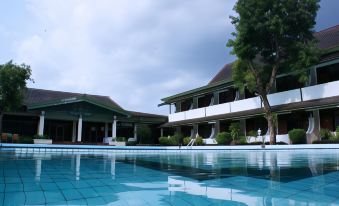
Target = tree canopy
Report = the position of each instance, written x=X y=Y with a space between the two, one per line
x=13 y=80
x=272 y=37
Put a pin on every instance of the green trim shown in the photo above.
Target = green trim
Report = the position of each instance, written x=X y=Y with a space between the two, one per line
x=194 y=92
x=83 y=98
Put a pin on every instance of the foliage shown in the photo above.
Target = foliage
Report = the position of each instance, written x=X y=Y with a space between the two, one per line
x=121 y=139
x=131 y=143
x=325 y=134
x=242 y=140
x=170 y=140
x=272 y=37
x=250 y=134
x=41 y=137
x=327 y=141
x=297 y=136
x=234 y=128
x=144 y=134
x=198 y=140
x=26 y=140
x=223 y=138
x=13 y=79
x=337 y=132
x=186 y=140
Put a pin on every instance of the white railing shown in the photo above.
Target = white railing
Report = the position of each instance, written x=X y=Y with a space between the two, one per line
x=218 y=109
x=246 y=104
x=195 y=113
x=284 y=97
x=307 y=93
x=176 y=117
x=319 y=91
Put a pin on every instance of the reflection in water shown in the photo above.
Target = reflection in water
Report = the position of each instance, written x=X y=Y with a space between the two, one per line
x=77 y=166
x=251 y=178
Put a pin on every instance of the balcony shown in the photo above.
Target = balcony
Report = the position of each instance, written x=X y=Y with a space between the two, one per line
x=296 y=95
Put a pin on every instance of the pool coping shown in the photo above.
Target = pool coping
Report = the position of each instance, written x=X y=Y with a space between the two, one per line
x=167 y=148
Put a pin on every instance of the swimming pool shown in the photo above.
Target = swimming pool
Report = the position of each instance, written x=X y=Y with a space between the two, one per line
x=308 y=177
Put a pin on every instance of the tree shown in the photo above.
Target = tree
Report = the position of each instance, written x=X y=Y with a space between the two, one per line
x=272 y=37
x=13 y=80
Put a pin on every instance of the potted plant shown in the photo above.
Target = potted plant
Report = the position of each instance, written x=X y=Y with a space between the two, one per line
x=118 y=141
x=42 y=139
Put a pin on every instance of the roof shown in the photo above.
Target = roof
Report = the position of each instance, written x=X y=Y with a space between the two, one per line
x=328 y=40
x=37 y=98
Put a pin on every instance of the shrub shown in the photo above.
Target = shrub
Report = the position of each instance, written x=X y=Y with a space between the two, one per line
x=186 y=140
x=121 y=139
x=325 y=134
x=327 y=141
x=297 y=136
x=131 y=143
x=26 y=140
x=337 y=132
x=234 y=129
x=198 y=140
x=163 y=140
x=224 y=138
x=41 y=136
x=169 y=141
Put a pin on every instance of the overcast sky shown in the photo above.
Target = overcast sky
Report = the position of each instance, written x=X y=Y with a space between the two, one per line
x=135 y=51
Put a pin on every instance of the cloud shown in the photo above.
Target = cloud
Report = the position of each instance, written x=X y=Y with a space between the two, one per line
x=136 y=52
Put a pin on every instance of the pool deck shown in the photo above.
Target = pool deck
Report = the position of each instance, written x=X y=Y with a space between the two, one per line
x=91 y=148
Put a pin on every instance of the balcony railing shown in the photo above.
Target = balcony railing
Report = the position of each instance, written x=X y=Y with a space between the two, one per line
x=296 y=95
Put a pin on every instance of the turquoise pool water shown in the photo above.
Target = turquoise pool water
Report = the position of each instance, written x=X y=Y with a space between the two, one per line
x=307 y=177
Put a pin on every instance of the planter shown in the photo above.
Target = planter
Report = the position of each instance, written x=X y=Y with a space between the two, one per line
x=42 y=141
x=117 y=143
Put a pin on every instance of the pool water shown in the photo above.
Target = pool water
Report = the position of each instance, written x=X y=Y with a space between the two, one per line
x=308 y=177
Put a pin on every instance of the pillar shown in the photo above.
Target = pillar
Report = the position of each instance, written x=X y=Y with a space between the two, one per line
x=79 y=128
x=217 y=127
x=74 y=131
x=106 y=129
x=194 y=130
x=135 y=131
x=161 y=132
x=312 y=77
x=216 y=98
x=114 y=127
x=41 y=123
x=195 y=102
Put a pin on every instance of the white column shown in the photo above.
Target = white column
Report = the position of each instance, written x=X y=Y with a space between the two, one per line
x=114 y=127
x=106 y=129
x=79 y=128
x=74 y=131
x=135 y=132
x=41 y=123
x=161 y=132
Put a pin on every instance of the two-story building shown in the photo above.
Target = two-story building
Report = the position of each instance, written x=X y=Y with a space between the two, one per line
x=210 y=109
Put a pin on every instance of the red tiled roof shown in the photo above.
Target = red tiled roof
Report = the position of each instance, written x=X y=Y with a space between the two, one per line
x=327 y=39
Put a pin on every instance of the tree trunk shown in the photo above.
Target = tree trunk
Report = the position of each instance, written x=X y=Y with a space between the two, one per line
x=270 y=118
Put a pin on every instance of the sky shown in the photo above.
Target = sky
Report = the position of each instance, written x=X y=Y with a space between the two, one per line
x=136 y=52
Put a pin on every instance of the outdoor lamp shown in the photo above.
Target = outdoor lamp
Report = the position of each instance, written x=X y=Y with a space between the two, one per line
x=259 y=132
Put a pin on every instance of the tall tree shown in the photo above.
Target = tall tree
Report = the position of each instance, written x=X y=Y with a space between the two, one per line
x=13 y=80
x=272 y=37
